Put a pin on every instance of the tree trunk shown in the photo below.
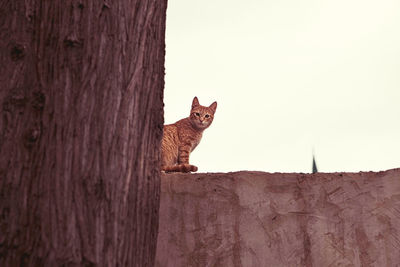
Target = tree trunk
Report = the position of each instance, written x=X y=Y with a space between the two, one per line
x=81 y=88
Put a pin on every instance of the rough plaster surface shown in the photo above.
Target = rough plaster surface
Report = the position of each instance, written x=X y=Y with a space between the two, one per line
x=262 y=219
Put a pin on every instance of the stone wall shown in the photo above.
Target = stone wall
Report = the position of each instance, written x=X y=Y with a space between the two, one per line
x=281 y=219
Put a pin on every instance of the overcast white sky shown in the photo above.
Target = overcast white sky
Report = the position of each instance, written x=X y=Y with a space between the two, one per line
x=288 y=76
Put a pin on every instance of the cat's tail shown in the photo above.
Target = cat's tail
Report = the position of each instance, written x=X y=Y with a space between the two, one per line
x=180 y=168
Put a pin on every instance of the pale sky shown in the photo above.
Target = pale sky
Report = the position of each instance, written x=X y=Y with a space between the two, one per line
x=289 y=76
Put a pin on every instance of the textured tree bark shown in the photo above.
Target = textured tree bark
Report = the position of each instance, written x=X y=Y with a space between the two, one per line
x=81 y=88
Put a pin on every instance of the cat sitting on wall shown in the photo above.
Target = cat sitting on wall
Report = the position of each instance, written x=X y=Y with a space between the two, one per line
x=182 y=137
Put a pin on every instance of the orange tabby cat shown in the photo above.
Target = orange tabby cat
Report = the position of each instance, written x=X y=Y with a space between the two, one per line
x=183 y=136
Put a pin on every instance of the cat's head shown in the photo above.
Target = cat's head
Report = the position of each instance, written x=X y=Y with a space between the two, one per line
x=201 y=116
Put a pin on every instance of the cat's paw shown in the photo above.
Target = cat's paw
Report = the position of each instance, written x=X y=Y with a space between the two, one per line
x=189 y=168
x=180 y=168
x=193 y=168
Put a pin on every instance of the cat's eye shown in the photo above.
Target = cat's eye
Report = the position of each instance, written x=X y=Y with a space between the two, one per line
x=207 y=116
x=197 y=114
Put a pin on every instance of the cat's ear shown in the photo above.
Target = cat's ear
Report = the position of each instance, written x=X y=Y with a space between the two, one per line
x=195 y=102
x=213 y=106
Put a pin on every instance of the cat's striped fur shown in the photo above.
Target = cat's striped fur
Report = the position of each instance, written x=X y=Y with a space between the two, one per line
x=180 y=138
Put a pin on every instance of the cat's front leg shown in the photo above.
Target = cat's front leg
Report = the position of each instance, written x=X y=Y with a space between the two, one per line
x=183 y=159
